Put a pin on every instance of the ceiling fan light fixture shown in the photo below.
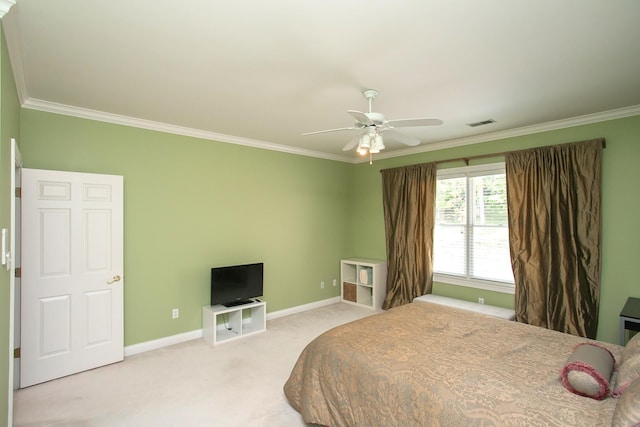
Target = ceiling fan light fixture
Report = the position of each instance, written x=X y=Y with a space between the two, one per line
x=365 y=144
x=377 y=144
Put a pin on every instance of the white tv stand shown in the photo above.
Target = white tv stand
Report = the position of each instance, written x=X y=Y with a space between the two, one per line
x=221 y=324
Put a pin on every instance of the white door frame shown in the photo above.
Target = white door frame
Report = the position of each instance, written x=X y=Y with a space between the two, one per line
x=14 y=236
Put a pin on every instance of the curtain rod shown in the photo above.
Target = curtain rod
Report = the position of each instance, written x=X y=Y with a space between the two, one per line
x=502 y=153
x=466 y=159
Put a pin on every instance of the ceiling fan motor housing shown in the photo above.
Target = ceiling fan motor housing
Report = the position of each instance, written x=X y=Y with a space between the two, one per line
x=377 y=118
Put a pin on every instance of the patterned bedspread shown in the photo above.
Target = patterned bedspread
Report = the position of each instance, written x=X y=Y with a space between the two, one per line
x=424 y=364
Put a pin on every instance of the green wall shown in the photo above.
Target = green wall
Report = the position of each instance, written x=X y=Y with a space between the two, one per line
x=9 y=128
x=192 y=204
x=620 y=204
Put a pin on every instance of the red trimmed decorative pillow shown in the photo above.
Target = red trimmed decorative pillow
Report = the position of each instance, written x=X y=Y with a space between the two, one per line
x=588 y=370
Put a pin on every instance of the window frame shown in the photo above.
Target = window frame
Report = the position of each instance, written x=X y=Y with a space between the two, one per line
x=468 y=172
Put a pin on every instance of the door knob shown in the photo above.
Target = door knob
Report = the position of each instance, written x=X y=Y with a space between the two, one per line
x=116 y=278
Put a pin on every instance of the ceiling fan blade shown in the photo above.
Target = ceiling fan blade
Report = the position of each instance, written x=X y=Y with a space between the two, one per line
x=351 y=144
x=361 y=117
x=414 y=122
x=329 y=130
x=401 y=137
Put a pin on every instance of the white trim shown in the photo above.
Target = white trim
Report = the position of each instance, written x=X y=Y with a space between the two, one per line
x=52 y=107
x=14 y=236
x=301 y=308
x=619 y=113
x=196 y=334
x=142 y=347
x=85 y=113
x=5 y=5
x=12 y=41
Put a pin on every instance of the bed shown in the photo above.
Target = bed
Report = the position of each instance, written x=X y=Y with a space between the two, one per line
x=424 y=364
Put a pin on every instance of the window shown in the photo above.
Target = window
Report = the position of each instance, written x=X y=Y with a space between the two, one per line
x=471 y=236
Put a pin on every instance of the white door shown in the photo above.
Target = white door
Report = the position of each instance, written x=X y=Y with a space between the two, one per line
x=72 y=273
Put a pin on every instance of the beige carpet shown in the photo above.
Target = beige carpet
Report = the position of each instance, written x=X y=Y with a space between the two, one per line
x=236 y=383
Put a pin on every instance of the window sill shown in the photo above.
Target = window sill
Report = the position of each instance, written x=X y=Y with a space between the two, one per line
x=487 y=285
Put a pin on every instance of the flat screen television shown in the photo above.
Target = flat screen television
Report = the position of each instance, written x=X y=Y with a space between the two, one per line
x=236 y=284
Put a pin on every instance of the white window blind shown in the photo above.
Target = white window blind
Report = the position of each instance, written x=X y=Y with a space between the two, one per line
x=471 y=237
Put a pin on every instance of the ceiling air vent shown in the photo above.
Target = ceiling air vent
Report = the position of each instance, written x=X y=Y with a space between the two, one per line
x=482 y=123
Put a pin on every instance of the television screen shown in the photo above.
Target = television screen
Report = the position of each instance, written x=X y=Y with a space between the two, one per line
x=236 y=284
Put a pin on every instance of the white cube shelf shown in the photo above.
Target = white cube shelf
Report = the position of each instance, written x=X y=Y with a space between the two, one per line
x=221 y=324
x=363 y=282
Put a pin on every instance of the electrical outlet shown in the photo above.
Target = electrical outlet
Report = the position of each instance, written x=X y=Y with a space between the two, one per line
x=481 y=300
x=335 y=283
x=322 y=285
x=175 y=313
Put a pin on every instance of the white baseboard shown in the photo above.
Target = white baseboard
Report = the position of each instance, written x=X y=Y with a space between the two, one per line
x=301 y=308
x=142 y=347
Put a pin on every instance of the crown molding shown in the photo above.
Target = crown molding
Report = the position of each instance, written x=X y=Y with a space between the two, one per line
x=604 y=116
x=84 y=113
x=5 y=5
x=12 y=39
x=52 y=107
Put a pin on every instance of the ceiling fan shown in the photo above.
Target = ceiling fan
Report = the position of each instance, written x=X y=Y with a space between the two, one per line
x=373 y=125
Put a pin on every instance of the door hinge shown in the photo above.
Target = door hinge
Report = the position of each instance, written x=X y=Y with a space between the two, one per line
x=16 y=353
x=18 y=273
x=18 y=192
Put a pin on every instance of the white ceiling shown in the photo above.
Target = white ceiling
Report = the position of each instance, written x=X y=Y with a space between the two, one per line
x=261 y=72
